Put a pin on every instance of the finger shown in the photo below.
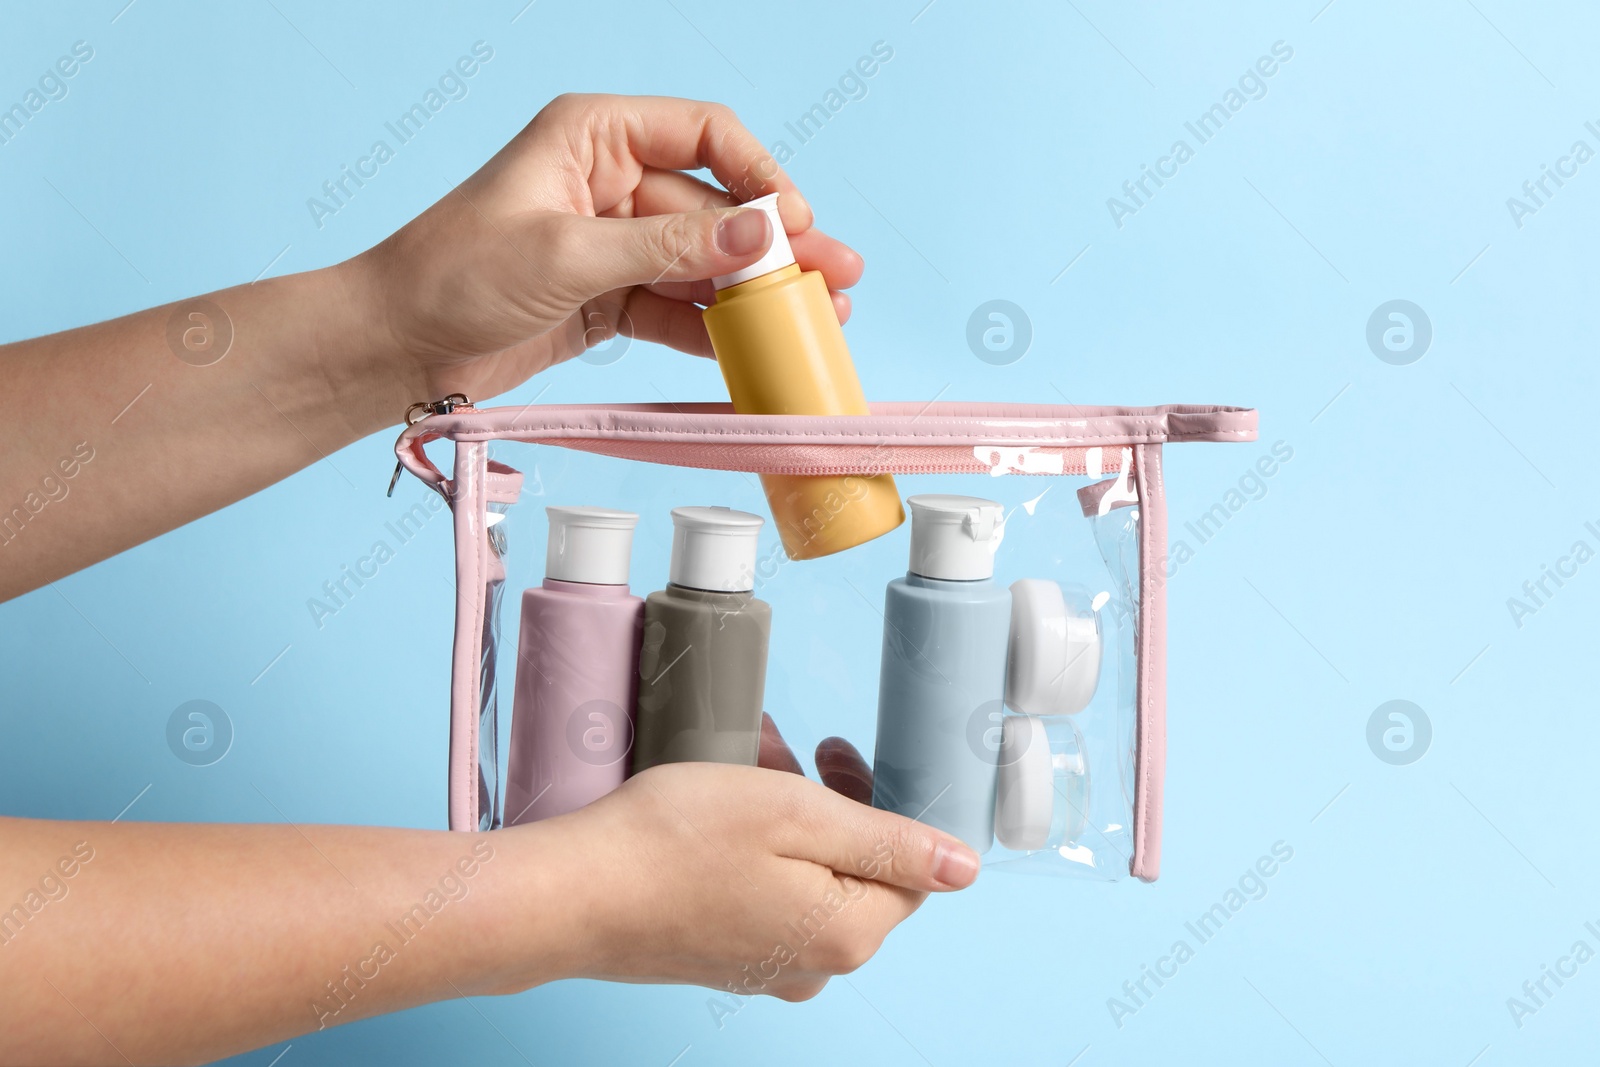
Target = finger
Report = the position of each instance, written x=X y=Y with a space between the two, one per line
x=865 y=912
x=680 y=293
x=661 y=192
x=701 y=294
x=665 y=321
x=598 y=255
x=877 y=910
x=841 y=306
x=843 y=770
x=672 y=134
x=775 y=751
x=841 y=265
x=677 y=324
x=826 y=828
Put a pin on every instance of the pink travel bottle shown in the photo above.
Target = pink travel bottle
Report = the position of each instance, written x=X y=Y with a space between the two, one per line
x=577 y=669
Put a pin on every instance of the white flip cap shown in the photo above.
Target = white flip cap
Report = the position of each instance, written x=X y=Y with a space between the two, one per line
x=954 y=537
x=590 y=545
x=1054 y=663
x=714 y=549
x=777 y=255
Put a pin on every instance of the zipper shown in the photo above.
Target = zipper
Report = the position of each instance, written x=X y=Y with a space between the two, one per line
x=846 y=459
x=711 y=448
x=421 y=410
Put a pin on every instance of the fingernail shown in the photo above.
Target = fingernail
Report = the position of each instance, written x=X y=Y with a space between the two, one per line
x=955 y=865
x=741 y=232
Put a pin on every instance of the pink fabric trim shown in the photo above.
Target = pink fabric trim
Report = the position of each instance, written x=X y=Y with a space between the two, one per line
x=466 y=495
x=1150 y=756
x=478 y=481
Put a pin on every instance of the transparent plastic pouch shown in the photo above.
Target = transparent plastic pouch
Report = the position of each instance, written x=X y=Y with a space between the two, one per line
x=1051 y=763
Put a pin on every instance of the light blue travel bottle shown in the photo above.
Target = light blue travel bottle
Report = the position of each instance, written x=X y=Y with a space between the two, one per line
x=945 y=634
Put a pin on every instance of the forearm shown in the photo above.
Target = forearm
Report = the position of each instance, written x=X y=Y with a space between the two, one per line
x=127 y=437
x=172 y=942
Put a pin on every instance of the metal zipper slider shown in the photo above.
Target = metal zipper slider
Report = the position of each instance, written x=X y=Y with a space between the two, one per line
x=421 y=410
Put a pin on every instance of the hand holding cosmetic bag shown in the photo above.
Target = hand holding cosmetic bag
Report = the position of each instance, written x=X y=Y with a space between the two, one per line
x=1074 y=740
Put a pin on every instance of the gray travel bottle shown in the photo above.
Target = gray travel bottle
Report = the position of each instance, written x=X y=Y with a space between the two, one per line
x=946 y=628
x=703 y=662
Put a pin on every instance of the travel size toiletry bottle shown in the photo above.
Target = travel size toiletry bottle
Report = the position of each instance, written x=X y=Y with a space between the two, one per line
x=577 y=668
x=945 y=632
x=703 y=663
x=782 y=352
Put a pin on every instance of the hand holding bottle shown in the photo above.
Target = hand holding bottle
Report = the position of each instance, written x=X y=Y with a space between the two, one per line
x=583 y=226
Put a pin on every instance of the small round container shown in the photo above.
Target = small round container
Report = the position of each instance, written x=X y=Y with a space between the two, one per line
x=1054 y=666
x=1042 y=797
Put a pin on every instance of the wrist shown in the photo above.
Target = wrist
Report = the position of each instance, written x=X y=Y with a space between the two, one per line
x=530 y=922
x=370 y=373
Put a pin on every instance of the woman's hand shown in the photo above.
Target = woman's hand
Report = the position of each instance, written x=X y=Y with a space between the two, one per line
x=737 y=878
x=582 y=227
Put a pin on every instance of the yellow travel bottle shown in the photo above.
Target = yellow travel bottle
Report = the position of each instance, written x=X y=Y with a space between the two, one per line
x=782 y=352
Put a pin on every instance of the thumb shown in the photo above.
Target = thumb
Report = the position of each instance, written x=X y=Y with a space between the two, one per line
x=876 y=845
x=687 y=246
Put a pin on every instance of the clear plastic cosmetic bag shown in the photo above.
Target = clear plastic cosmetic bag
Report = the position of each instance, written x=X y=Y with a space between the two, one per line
x=1077 y=738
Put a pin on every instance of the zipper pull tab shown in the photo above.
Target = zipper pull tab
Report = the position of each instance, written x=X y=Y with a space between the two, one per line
x=421 y=410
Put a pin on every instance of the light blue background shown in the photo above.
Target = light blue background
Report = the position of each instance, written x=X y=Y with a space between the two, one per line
x=1376 y=567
